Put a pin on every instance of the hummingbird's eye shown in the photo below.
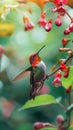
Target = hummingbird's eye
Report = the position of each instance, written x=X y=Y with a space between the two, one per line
x=32 y=58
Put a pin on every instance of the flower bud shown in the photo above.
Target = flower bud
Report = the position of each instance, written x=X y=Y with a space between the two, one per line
x=2 y=50
x=48 y=25
x=63 y=67
x=67 y=31
x=58 y=21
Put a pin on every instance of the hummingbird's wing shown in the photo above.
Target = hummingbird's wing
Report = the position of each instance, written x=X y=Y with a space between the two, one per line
x=23 y=74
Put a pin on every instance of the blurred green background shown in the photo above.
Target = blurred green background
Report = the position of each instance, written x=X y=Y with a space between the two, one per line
x=19 y=46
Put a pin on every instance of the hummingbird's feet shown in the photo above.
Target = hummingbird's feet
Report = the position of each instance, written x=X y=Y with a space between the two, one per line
x=38 y=87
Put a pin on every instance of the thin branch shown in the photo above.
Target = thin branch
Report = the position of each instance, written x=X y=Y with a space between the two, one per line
x=54 y=126
x=49 y=75
x=68 y=15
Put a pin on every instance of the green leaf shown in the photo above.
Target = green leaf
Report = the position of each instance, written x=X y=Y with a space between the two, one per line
x=25 y=126
x=39 y=101
x=70 y=128
x=49 y=128
x=66 y=82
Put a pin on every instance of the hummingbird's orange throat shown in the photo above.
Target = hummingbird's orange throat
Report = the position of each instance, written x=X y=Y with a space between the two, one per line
x=35 y=61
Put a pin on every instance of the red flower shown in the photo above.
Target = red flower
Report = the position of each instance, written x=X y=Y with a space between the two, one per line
x=65 y=41
x=28 y=24
x=58 y=74
x=63 y=67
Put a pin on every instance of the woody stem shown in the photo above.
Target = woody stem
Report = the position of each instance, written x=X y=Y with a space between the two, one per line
x=49 y=75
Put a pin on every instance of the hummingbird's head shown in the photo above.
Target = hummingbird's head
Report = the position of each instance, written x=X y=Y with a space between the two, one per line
x=35 y=58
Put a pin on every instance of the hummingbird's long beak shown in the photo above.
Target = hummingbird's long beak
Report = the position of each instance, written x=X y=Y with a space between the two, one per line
x=40 y=49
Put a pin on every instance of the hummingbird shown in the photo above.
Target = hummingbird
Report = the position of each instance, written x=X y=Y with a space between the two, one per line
x=37 y=72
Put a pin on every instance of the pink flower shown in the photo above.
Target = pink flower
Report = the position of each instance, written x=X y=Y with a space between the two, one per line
x=28 y=24
x=7 y=108
x=60 y=119
x=60 y=1
x=42 y=21
x=39 y=125
x=57 y=82
x=44 y=90
x=58 y=21
x=48 y=25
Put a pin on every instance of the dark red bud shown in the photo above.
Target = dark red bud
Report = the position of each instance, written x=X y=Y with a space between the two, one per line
x=68 y=90
x=66 y=74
